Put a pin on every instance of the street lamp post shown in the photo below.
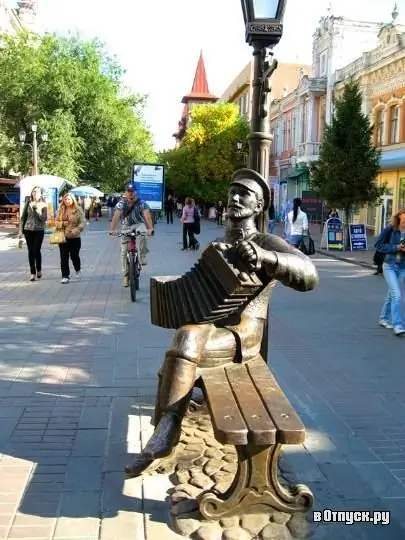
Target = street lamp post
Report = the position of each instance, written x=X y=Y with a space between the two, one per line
x=34 y=146
x=264 y=28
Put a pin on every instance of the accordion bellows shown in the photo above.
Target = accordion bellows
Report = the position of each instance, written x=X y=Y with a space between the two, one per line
x=210 y=291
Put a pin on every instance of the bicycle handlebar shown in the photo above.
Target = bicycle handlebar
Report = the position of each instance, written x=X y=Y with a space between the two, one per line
x=128 y=233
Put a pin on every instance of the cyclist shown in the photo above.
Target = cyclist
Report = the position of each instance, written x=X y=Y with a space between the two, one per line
x=135 y=214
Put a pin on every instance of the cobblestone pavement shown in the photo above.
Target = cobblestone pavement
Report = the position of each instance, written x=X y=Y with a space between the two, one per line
x=78 y=376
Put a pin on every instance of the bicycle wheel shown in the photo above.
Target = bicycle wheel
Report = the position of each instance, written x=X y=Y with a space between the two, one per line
x=137 y=272
x=131 y=278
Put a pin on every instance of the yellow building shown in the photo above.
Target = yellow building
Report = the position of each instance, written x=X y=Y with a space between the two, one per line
x=381 y=76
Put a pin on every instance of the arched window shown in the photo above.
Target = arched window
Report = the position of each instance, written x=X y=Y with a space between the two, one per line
x=380 y=115
x=394 y=124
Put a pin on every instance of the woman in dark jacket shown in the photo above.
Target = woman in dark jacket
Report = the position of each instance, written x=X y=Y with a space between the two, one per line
x=391 y=243
x=32 y=226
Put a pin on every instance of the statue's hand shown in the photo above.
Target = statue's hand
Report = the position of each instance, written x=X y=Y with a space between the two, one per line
x=250 y=255
x=221 y=246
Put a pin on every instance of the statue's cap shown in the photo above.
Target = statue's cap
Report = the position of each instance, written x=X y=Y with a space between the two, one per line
x=253 y=181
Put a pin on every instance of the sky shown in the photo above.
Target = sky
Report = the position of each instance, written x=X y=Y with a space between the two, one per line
x=158 y=42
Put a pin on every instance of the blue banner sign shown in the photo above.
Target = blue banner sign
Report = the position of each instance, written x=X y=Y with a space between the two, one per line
x=148 y=179
x=358 y=237
x=334 y=234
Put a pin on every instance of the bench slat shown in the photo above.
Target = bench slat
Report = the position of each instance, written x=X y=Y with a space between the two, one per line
x=260 y=425
x=290 y=429
x=227 y=421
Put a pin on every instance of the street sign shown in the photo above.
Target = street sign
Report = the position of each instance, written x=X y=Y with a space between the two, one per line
x=358 y=237
x=149 y=181
x=332 y=236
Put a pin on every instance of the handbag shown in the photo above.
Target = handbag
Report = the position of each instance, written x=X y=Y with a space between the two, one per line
x=57 y=237
x=307 y=245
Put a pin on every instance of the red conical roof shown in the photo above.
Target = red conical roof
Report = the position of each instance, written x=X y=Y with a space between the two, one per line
x=200 y=89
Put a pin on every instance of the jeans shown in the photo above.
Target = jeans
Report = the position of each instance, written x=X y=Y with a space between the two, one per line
x=71 y=248
x=295 y=239
x=392 y=309
x=188 y=231
x=169 y=216
x=34 y=241
x=143 y=248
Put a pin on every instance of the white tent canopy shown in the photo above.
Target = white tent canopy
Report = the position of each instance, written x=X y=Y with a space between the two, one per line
x=43 y=180
x=86 y=191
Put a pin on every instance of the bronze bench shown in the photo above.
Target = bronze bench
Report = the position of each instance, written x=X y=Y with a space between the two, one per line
x=250 y=411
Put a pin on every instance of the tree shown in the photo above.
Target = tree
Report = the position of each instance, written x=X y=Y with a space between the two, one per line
x=202 y=165
x=74 y=91
x=345 y=175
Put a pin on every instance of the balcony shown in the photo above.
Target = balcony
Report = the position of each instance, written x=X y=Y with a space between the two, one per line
x=312 y=85
x=308 y=152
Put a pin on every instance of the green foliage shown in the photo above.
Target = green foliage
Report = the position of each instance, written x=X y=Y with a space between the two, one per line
x=345 y=175
x=74 y=91
x=202 y=165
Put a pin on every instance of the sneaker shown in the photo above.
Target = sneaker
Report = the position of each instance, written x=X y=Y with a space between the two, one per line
x=398 y=331
x=78 y=275
x=385 y=324
x=65 y=280
x=39 y=275
x=32 y=278
x=125 y=282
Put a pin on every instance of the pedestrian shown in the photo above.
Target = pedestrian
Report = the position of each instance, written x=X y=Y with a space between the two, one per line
x=111 y=204
x=71 y=220
x=272 y=218
x=220 y=213
x=297 y=224
x=169 y=209
x=188 y=219
x=32 y=226
x=391 y=242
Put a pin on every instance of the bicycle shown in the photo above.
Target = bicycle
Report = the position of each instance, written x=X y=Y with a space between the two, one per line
x=134 y=264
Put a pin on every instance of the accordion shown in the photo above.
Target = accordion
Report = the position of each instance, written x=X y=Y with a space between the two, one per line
x=210 y=291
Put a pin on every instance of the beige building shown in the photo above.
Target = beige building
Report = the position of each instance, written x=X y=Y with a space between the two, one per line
x=285 y=78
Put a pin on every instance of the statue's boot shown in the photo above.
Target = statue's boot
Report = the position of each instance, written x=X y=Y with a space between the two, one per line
x=178 y=375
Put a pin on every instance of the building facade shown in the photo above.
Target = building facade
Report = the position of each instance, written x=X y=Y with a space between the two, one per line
x=305 y=111
x=14 y=20
x=380 y=73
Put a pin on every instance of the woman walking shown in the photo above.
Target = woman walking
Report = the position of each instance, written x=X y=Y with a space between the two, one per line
x=32 y=226
x=391 y=242
x=188 y=219
x=297 y=224
x=70 y=218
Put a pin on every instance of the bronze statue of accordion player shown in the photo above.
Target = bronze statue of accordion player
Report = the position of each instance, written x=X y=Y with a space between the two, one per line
x=219 y=307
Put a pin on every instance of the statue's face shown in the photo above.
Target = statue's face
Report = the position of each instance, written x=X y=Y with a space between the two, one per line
x=242 y=203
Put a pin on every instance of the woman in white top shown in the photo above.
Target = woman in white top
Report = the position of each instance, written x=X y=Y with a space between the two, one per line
x=297 y=223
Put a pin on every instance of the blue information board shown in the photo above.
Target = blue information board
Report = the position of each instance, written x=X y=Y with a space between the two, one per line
x=358 y=237
x=149 y=179
x=334 y=234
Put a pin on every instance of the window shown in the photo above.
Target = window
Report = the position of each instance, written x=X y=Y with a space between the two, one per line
x=401 y=195
x=394 y=135
x=288 y=133
x=304 y=122
x=323 y=64
x=380 y=128
x=294 y=129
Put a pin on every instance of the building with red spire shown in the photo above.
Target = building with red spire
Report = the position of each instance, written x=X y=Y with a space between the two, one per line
x=200 y=94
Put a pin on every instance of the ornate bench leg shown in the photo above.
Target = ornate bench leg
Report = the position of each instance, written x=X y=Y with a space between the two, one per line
x=256 y=486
